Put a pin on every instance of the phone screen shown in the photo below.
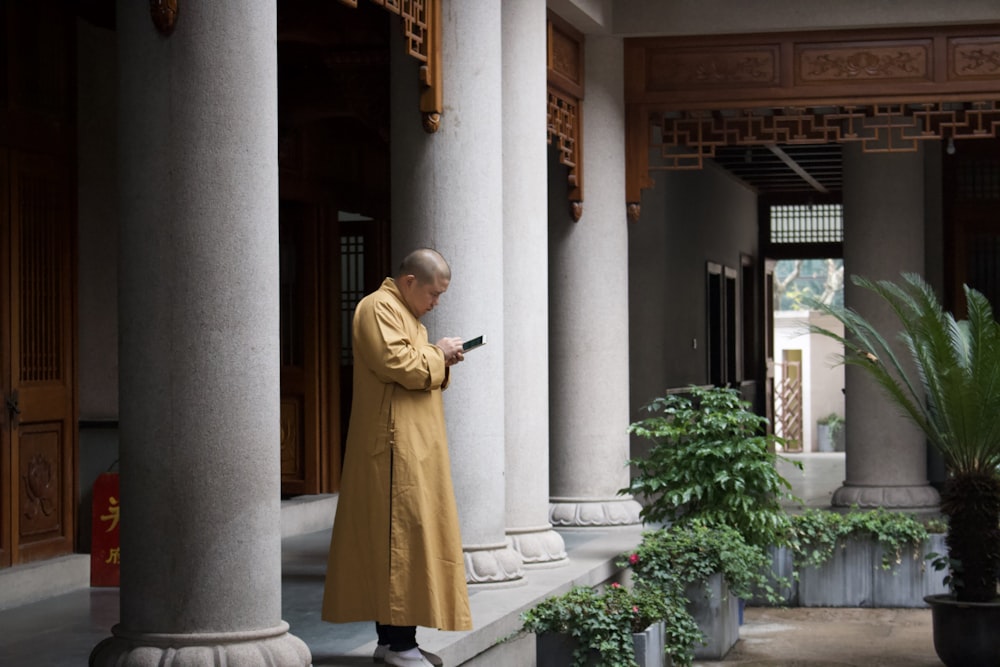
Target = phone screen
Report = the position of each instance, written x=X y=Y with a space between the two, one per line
x=472 y=343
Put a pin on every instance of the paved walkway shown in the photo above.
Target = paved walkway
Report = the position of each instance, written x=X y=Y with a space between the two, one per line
x=825 y=637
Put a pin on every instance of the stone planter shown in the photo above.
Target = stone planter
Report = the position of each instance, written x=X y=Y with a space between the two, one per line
x=783 y=566
x=854 y=577
x=556 y=650
x=717 y=614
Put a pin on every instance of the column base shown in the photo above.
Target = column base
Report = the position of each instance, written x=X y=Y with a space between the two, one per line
x=919 y=497
x=539 y=547
x=594 y=513
x=273 y=647
x=493 y=564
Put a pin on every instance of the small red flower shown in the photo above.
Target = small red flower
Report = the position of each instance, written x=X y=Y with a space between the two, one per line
x=633 y=559
x=635 y=609
x=616 y=585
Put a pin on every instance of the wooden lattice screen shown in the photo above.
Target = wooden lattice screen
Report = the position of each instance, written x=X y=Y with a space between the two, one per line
x=788 y=406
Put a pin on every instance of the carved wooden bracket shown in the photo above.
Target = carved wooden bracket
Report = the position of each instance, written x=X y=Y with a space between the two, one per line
x=565 y=94
x=888 y=89
x=164 y=15
x=422 y=25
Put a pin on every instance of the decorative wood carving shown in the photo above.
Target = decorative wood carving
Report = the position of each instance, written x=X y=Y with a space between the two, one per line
x=164 y=15
x=824 y=63
x=888 y=89
x=422 y=28
x=565 y=95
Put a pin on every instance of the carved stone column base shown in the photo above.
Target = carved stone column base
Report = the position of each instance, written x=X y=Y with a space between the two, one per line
x=493 y=564
x=593 y=513
x=922 y=497
x=539 y=547
x=273 y=647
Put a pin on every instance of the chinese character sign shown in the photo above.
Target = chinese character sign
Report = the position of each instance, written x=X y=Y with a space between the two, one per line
x=105 y=552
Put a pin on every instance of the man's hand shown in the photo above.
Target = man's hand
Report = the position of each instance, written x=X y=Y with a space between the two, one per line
x=452 y=348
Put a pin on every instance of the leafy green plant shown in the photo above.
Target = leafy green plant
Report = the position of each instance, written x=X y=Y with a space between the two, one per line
x=669 y=559
x=601 y=621
x=711 y=460
x=818 y=533
x=953 y=395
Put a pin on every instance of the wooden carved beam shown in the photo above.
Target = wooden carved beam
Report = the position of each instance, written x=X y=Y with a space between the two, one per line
x=422 y=25
x=564 y=56
x=888 y=89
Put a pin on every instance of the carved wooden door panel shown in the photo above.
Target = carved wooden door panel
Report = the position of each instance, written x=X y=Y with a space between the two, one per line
x=39 y=406
x=38 y=468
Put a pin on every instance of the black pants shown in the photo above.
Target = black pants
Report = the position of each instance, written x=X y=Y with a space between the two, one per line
x=398 y=637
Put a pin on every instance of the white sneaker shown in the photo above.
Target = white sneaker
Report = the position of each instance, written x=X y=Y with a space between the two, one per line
x=382 y=649
x=399 y=660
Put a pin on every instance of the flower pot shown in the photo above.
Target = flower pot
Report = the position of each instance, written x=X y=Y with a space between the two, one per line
x=824 y=438
x=965 y=633
x=556 y=650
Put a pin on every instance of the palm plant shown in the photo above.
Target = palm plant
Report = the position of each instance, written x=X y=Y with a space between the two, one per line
x=954 y=398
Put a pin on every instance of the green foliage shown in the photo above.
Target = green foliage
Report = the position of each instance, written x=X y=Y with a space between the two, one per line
x=601 y=621
x=817 y=533
x=711 y=461
x=669 y=559
x=954 y=397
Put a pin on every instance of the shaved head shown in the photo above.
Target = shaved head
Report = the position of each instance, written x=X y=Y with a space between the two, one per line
x=425 y=265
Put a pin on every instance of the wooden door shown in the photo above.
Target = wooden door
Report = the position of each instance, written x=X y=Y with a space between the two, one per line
x=38 y=466
x=309 y=410
x=972 y=215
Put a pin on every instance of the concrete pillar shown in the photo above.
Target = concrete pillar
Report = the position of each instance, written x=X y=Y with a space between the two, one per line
x=447 y=193
x=589 y=356
x=886 y=461
x=525 y=280
x=200 y=494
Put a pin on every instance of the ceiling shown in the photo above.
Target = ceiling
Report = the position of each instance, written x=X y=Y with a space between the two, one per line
x=782 y=169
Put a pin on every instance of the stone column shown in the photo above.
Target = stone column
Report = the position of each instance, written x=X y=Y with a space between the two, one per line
x=447 y=192
x=525 y=273
x=886 y=461
x=588 y=274
x=199 y=400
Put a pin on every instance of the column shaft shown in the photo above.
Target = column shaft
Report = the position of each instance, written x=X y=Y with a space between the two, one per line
x=200 y=517
x=886 y=461
x=447 y=193
x=588 y=275
x=525 y=277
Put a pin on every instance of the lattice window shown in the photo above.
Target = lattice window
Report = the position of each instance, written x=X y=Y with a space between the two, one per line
x=352 y=289
x=979 y=179
x=812 y=223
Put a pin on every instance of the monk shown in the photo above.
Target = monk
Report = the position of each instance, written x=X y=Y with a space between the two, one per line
x=396 y=552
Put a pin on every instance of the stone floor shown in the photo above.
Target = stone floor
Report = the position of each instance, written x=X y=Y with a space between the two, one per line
x=60 y=631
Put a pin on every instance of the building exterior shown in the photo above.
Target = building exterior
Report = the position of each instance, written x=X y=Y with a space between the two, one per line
x=195 y=194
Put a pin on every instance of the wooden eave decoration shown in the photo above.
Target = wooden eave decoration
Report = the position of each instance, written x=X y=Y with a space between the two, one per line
x=564 y=62
x=422 y=25
x=887 y=89
x=164 y=15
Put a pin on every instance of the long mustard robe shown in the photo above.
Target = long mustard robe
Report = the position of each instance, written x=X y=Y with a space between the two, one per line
x=396 y=552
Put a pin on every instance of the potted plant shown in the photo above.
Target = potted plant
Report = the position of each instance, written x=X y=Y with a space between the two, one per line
x=827 y=430
x=953 y=396
x=708 y=567
x=586 y=627
x=711 y=460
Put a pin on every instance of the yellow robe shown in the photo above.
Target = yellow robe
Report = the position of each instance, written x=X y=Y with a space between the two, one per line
x=396 y=552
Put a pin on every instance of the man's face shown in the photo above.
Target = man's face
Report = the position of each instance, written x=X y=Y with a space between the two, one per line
x=422 y=297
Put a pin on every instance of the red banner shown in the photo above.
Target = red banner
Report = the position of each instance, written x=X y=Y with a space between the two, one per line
x=105 y=554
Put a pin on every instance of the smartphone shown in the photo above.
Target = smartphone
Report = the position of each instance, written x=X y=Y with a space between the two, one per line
x=473 y=343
